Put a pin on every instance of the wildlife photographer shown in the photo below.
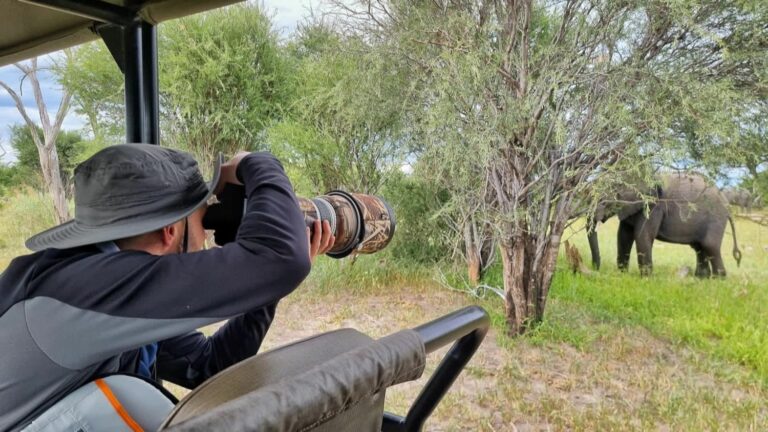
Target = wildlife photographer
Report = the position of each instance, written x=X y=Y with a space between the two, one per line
x=122 y=288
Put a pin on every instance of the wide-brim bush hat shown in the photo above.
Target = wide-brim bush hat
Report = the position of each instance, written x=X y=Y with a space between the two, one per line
x=126 y=190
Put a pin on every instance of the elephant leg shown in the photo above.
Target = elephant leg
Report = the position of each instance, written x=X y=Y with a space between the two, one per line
x=714 y=258
x=624 y=241
x=645 y=256
x=711 y=244
x=702 y=265
x=645 y=233
x=718 y=266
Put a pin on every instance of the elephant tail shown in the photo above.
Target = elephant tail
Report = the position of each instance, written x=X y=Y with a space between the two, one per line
x=736 y=251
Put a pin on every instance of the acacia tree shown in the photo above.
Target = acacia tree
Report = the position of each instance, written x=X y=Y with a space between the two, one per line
x=45 y=139
x=744 y=66
x=548 y=100
x=223 y=79
x=97 y=86
x=220 y=84
x=345 y=128
x=465 y=212
x=342 y=128
x=69 y=146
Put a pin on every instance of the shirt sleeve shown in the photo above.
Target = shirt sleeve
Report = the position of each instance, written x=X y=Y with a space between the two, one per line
x=85 y=307
x=190 y=359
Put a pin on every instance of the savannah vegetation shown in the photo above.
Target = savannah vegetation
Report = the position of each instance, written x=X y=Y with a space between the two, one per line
x=491 y=127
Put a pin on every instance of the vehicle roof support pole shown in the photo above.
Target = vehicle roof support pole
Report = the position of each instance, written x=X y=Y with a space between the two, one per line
x=150 y=131
x=142 y=119
x=134 y=110
x=133 y=44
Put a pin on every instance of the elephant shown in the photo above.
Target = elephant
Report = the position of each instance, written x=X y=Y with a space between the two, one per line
x=744 y=199
x=684 y=209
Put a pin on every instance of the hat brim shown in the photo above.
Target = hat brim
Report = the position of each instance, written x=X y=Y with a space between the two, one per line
x=73 y=234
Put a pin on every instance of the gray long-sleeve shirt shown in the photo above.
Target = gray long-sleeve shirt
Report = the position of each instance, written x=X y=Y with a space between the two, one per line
x=69 y=315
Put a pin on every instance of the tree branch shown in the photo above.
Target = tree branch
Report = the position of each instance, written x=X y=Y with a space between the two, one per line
x=20 y=106
x=61 y=113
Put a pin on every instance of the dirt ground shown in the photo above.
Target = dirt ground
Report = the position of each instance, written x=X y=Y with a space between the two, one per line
x=624 y=378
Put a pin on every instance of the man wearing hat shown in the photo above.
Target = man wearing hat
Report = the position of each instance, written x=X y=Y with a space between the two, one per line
x=112 y=291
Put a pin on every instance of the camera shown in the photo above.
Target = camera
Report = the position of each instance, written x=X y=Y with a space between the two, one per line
x=362 y=224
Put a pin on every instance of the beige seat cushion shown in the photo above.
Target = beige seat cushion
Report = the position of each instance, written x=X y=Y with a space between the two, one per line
x=343 y=393
x=263 y=369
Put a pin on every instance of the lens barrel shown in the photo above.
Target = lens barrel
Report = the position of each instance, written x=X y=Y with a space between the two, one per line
x=362 y=224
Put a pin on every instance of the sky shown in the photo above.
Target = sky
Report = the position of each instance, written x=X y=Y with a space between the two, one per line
x=285 y=15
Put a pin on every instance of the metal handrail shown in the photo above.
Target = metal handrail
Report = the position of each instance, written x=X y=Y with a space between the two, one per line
x=467 y=327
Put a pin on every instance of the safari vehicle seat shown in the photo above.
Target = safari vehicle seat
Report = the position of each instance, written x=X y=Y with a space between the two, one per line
x=331 y=382
x=334 y=381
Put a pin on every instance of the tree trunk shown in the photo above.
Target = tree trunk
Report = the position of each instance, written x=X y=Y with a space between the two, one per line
x=46 y=145
x=543 y=274
x=487 y=251
x=474 y=261
x=516 y=296
x=594 y=245
x=526 y=279
x=93 y=121
x=474 y=267
x=478 y=249
x=49 y=163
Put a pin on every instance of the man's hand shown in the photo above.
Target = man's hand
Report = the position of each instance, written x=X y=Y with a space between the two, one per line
x=229 y=171
x=320 y=240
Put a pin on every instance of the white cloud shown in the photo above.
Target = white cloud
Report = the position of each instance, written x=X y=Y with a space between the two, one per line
x=286 y=14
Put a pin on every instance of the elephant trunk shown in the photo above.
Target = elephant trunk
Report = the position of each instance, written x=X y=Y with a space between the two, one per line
x=594 y=247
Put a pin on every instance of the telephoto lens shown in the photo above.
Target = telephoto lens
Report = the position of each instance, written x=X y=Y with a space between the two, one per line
x=362 y=224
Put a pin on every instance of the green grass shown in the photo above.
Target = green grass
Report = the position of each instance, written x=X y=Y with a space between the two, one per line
x=727 y=321
x=366 y=275
x=726 y=318
x=22 y=215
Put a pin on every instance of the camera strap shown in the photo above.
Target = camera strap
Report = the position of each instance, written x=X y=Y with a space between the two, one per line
x=185 y=241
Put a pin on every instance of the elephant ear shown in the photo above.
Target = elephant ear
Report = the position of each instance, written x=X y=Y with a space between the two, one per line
x=636 y=202
x=631 y=209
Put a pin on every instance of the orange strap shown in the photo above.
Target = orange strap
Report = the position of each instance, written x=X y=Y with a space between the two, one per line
x=118 y=408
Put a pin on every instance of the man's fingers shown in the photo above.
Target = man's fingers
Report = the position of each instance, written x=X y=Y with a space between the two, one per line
x=327 y=236
x=320 y=238
x=317 y=235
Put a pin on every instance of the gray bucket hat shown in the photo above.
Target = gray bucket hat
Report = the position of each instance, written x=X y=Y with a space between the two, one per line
x=127 y=190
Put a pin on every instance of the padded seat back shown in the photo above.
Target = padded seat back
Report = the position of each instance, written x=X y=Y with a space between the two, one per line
x=331 y=382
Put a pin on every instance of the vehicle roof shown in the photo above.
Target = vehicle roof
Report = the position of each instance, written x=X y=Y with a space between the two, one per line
x=28 y=29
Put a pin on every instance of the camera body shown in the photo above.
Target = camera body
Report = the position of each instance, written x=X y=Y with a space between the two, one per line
x=361 y=224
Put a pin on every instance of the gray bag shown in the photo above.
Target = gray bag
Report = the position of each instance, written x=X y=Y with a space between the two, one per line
x=115 y=403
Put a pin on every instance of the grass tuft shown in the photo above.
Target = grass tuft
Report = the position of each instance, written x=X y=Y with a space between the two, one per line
x=22 y=215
